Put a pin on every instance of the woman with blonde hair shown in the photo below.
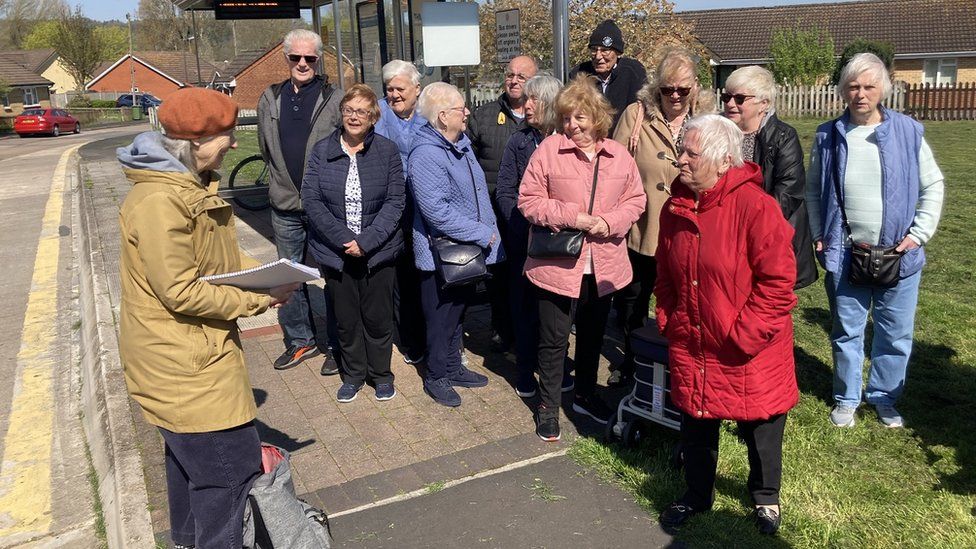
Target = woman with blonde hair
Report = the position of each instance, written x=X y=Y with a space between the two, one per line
x=578 y=180
x=652 y=128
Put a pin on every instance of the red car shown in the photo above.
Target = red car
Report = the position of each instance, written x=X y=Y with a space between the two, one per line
x=49 y=121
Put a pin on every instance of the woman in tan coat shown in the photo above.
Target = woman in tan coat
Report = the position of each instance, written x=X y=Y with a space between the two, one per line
x=179 y=342
x=652 y=129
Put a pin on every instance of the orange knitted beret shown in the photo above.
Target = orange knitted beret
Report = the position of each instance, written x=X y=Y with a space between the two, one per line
x=195 y=113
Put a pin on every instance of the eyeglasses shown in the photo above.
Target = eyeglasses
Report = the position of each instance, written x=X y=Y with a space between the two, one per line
x=516 y=77
x=462 y=109
x=310 y=59
x=691 y=154
x=668 y=91
x=740 y=98
x=358 y=113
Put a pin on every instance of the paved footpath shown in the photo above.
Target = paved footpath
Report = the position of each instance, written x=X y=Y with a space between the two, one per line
x=360 y=460
x=46 y=499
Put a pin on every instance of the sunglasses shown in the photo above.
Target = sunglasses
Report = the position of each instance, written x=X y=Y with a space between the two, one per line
x=295 y=58
x=668 y=91
x=740 y=98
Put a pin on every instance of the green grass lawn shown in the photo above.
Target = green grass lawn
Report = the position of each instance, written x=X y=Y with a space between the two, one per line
x=247 y=144
x=866 y=486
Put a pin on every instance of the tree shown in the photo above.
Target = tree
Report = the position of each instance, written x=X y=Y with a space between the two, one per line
x=78 y=45
x=114 y=40
x=801 y=56
x=41 y=35
x=647 y=26
x=884 y=50
x=20 y=16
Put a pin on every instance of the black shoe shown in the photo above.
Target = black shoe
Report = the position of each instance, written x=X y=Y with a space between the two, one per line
x=548 y=429
x=592 y=406
x=767 y=520
x=499 y=344
x=675 y=515
x=329 y=367
x=294 y=356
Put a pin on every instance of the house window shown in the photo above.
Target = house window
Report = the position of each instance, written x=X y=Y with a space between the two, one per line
x=940 y=72
x=30 y=96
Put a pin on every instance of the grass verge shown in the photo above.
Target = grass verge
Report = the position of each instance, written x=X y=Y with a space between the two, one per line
x=866 y=486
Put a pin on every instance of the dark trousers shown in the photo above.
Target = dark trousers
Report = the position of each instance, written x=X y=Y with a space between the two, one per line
x=443 y=310
x=208 y=477
x=635 y=301
x=555 y=319
x=363 y=302
x=407 y=307
x=525 y=320
x=699 y=447
x=499 y=286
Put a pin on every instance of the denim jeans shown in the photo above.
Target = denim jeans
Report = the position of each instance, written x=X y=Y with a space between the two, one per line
x=295 y=317
x=893 y=312
x=208 y=477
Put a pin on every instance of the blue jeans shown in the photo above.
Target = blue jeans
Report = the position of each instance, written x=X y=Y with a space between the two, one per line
x=295 y=317
x=893 y=312
x=208 y=477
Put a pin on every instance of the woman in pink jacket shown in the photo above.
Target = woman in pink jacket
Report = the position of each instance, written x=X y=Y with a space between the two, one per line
x=556 y=193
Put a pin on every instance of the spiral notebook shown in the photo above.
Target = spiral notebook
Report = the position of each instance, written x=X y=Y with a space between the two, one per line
x=269 y=275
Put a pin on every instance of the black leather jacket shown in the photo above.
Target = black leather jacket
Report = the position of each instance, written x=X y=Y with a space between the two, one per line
x=779 y=154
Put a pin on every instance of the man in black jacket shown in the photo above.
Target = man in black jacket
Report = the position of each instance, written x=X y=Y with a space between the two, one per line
x=619 y=78
x=489 y=127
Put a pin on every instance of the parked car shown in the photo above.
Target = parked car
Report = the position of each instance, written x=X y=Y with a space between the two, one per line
x=144 y=100
x=45 y=121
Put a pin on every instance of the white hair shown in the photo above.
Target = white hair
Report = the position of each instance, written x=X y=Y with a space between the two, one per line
x=754 y=80
x=545 y=88
x=860 y=64
x=718 y=138
x=435 y=98
x=302 y=35
x=182 y=151
x=399 y=67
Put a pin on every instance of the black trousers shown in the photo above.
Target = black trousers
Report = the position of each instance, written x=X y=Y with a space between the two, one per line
x=363 y=301
x=699 y=446
x=525 y=320
x=555 y=319
x=208 y=477
x=410 y=325
x=634 y=302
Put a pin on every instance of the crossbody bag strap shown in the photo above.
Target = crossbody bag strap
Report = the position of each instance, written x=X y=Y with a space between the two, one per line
x=596 y=170
x=474 y=186
x=837 y=190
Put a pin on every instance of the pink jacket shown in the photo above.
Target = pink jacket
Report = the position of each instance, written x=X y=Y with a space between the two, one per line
x=556 y=186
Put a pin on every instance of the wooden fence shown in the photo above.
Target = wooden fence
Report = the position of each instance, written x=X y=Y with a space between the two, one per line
x=818 y=101
x=927 y=102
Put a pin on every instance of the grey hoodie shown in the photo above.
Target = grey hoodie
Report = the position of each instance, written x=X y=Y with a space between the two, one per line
x=146 y=152
x=284 y=192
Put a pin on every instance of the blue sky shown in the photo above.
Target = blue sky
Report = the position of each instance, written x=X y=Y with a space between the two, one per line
x=104 y=10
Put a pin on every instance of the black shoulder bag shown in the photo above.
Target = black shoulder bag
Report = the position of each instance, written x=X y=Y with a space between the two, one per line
x=459 y=263
x=876 y=266
x=567 y=243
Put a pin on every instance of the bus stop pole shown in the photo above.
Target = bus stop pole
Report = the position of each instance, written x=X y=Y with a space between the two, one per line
x=560 y=39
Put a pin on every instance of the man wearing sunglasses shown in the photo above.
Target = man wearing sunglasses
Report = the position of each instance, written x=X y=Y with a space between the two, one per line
x=619 y=78
x=292 y=116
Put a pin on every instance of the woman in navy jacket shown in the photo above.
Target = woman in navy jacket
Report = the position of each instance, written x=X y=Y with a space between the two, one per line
x=353 y=194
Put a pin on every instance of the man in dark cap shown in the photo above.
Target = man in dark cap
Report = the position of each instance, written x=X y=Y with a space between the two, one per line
x=619 y=77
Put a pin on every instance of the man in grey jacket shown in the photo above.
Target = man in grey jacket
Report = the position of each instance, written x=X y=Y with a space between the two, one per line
x=292 y=116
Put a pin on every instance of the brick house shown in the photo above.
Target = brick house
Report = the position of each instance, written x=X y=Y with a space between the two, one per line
x=934 y=40
x=47 y=63
x=159 y=73
x=26 y=87
x=250 y=81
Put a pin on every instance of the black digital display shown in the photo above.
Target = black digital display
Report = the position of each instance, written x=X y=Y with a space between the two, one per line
x=256 y=9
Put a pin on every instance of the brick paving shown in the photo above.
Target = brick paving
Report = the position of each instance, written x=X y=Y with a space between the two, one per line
x=348 y=455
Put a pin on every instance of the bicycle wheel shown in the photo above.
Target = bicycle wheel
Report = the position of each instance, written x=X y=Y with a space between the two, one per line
x=249 y=173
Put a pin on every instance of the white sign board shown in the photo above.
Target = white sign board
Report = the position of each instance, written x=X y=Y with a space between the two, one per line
x=508 y=41
x=451 y=34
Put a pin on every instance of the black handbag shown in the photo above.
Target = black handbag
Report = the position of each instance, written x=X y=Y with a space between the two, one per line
x=875 y=266
x=567 y=243
x=459 y=263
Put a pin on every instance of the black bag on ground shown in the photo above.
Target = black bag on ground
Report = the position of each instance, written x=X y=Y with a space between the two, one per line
x=567 y=243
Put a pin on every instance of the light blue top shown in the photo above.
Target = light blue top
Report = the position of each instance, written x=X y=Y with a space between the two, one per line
x=398 y=130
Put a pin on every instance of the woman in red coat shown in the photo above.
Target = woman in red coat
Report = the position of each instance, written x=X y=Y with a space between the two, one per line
x=724 y=292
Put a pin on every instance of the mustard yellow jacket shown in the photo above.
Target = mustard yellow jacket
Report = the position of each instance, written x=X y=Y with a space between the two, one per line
x=180 y=346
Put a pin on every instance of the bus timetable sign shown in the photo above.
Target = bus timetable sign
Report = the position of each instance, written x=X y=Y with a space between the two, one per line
x=256 y=9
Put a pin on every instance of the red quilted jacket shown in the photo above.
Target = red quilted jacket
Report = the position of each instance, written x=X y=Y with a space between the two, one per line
x=724 y=293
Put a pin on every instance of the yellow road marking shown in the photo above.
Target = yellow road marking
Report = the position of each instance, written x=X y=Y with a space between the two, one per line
x=25 y=472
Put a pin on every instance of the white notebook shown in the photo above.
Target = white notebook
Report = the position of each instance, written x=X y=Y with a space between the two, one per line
x=269 y=275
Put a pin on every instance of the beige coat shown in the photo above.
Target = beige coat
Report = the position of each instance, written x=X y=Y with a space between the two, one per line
x=180 y=346
x=652 y=138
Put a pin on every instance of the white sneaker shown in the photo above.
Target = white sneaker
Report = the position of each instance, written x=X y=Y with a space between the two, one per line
x=842 y=416
x=889 y=417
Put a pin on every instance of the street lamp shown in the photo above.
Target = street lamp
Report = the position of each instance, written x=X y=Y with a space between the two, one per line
x=132 y=65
